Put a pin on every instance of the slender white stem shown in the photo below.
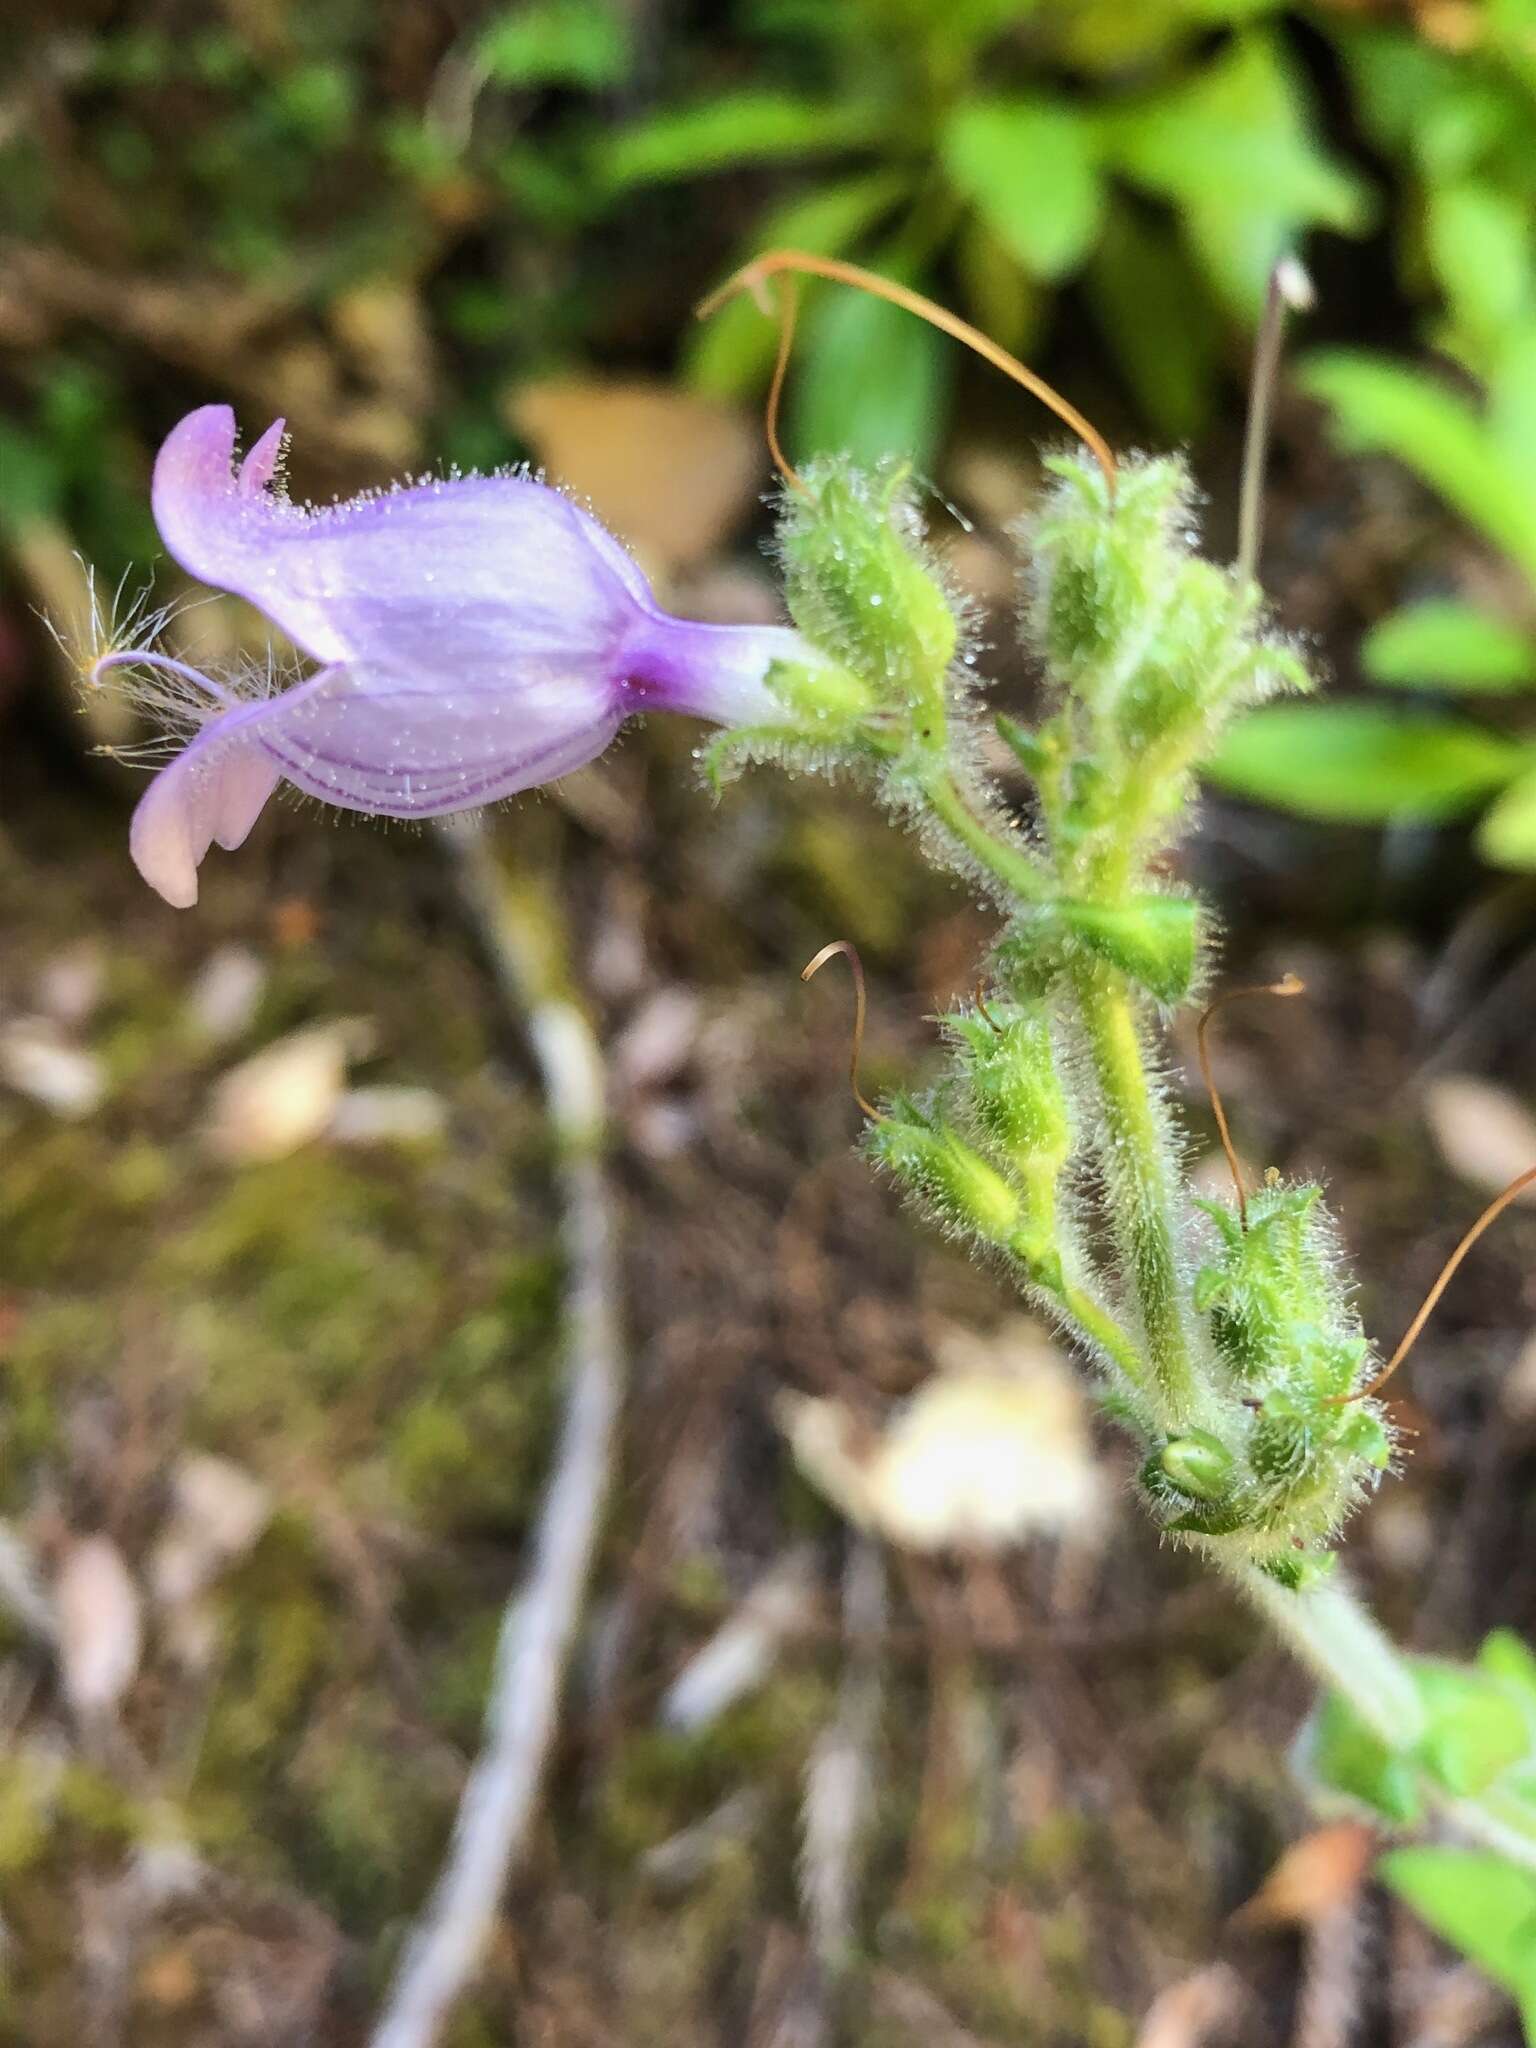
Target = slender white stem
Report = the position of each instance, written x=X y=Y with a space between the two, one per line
x=1335 y=1635
x=539 y=1624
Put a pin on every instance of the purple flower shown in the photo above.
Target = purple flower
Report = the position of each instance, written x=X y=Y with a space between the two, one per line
x=474 y=637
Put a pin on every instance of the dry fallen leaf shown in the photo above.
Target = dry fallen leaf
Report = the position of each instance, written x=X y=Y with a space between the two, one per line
x=224 y=998
x=1486 y=1135
x=38 y=1062
x=988 y=1451
x=672 y=472
x=389 y=1114
x=1321 y=1872
x=99 y=1632
x=285 y=1096
x=218 y=1510
x=1191 y=2011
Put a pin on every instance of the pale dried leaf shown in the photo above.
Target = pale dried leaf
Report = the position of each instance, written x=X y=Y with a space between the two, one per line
x=38 y=1062
x=1315 y=1876
x=1191 y=2011
x=672 y=472
x=987 y=1452
x=1486 y=1134
x=741 y=1653
x=99 y=1629
x=218 y=1510
x=71 y=984
x=389 y=1114
x=226 y=994
x=659 y=1039
x=284 y=1097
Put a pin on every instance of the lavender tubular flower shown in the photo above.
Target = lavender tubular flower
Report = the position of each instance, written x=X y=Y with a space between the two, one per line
x=476 y=636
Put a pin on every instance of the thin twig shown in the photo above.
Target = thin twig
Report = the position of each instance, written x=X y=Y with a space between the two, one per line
x=520 y=935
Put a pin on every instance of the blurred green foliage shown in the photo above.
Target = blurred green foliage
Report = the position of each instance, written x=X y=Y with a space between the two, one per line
x=223 y=202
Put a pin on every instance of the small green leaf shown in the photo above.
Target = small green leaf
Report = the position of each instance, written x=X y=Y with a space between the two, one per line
x=1475 y=1731
x=1235 y=151
x=871 y=381
x=555 y=42
x=1480 y=246
x=1348 y=1758
x=735 y=128
x=1510 y=371
x=1384 y=408
x=1506 y=1656
x=1153 y=939
x=1355 y=764
x=1507 y=835
x=733 y=349
x=1481 y=1904
x=1030 y=168
x=1444 y=645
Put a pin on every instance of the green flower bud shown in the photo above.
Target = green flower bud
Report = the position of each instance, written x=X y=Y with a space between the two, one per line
x=1199 y=1464
x=1102 y=572
x=1018 y=1097
x=934 y=1162
x=859 y=585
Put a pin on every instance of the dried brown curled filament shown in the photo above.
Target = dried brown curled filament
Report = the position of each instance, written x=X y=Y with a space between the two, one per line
x=848 y=948
x=979 y=996
x=753 y=276
x=1288 y=985
x=1410 y=1337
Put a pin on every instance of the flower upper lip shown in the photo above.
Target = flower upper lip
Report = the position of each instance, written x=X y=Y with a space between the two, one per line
x=476 y=636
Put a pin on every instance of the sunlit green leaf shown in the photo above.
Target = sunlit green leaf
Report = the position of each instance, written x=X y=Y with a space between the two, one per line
x=1235 y=152
x=555 y=42
x=1030 y=167
x=1507 y=835
x=870 y=381
x=735 y=128
x=1346 y=1757
x=733 y=350
x=1383 y=408
x=1480 y=1903
x=1475 y=1730
x=1358 y=764
x=1480 y=244
x=1510 y=371
x=1444 y=645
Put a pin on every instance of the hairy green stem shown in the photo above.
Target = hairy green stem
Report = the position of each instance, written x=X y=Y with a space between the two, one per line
x=1008 y=864
x=1139 y=1163
x=1101 y=1330
x=1333 y=1632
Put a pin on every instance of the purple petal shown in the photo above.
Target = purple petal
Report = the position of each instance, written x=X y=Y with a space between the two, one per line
x=212 y=791
x=405 y=745
x=715 y=672
x=431 y=575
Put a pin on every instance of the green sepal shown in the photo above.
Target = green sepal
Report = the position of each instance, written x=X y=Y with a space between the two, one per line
x=1153 y=939
x=1199 y=1464
x=932 y=1160
x=1211 y=1284
x=859 y=584
x=1034 y=753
